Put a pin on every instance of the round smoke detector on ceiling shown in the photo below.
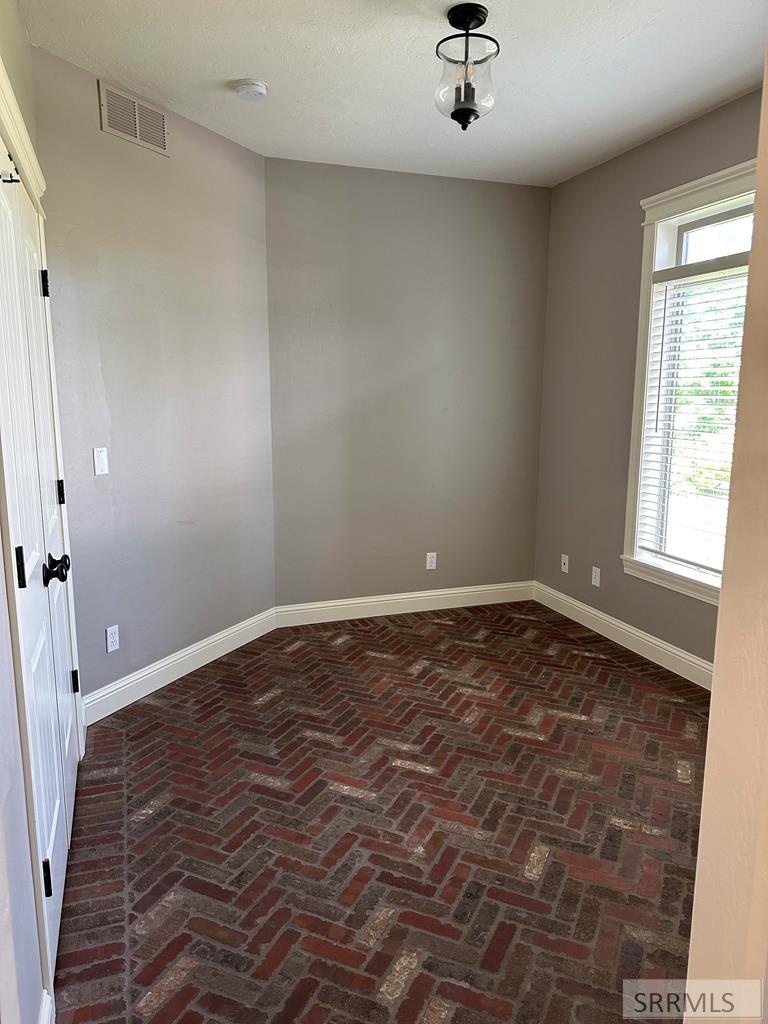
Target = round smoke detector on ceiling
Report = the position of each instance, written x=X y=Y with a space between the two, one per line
x=250 y=88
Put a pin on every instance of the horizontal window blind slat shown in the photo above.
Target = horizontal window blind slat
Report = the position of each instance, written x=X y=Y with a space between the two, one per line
x=693 y=363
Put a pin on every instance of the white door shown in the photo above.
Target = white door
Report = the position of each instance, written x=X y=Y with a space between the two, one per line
x=24 y=540
x=54 y=527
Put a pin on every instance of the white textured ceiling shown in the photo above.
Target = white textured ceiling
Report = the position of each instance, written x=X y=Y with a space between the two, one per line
x=352 y=81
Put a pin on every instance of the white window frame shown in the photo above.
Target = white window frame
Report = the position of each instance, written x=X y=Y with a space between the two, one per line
x=684 y=202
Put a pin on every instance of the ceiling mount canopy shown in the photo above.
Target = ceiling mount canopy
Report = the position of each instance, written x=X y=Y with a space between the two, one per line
x=466 y=91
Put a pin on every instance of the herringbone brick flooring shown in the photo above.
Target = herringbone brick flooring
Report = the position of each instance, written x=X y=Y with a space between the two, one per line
x=474 y=816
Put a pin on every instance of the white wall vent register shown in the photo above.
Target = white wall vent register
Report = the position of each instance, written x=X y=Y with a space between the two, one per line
x=132 y=119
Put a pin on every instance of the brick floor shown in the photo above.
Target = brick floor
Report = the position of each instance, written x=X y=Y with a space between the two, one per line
x=474 y=815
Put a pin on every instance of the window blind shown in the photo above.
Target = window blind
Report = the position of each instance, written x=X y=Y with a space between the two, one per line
x=694 y=356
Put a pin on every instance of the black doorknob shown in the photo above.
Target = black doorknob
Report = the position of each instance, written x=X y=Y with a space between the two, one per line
x=56 y=569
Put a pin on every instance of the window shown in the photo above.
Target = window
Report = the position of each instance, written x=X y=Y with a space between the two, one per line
x=696 y=252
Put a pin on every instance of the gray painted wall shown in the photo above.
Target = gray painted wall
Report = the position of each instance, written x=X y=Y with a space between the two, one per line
x=406 y=319
x=15 y=52
x=406 y=339
x=589 y=364
x=159 y=310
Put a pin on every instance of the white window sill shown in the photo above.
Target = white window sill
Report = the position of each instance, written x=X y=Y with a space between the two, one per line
x=656 y=572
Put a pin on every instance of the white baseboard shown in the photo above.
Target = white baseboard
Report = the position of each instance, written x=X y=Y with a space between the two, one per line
x=125 y=691
x=139 y=684
x=396 y=604
x=46 y=1014
x=697 y=670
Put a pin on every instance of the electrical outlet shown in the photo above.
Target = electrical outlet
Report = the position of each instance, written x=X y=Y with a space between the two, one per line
x=431 y=559
x=113 y=638
x=563 y=563
x=100 y=461
x=595 y=576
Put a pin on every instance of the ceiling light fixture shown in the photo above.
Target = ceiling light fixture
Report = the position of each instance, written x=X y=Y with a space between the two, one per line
x=250 y=88
x=466 y=91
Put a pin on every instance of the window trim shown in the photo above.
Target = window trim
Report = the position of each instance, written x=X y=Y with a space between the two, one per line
x=724 y=186
x=714 y=218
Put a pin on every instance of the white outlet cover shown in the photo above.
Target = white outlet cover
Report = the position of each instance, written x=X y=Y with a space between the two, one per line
x=100 y=461
x=431 y=560
x=595 y=576
x=112 y=634
x=564 y=561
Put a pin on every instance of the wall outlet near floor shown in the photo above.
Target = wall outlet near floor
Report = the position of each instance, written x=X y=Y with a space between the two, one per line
x=563 y=563
x=100 y=461
x=112 y=634
x=431 y=559
x=595 y=576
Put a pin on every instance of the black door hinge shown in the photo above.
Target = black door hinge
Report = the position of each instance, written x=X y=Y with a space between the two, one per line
x=21 y=572
x=75 y=681
x=47 y=886
x=46 y=284
x=60 y=492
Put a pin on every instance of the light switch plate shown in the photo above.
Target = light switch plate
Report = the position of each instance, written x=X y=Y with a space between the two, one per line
x=100 y=461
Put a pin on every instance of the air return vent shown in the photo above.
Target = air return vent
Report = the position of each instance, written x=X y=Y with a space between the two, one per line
x=132 y=118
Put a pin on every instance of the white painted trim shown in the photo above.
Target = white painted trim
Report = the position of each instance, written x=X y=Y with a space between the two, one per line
x=720 y=187
x=397 y=604
x=702 y=591
x=714 y=188
x=125 y=691
x=638 y=398
x=697 y=670
x=47 y=1013
x=16 y=137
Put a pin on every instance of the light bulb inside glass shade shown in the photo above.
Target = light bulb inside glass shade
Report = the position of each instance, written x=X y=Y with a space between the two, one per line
x=466 y=90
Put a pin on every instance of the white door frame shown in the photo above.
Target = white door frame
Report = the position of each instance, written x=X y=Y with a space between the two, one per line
x=15 y=136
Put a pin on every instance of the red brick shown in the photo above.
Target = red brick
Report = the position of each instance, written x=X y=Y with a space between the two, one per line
x=476 y=1000
x=329 y=930
x=342 y=977
x=497 y=948
x=219 y=932
x=296 y=1001
x=409 y=1011
x=564 y=947
x=409 y=884
x=330 y=951
x=168 y=1013
x=276 y=954
x=152 y=970
x=356 y=886
x=430 y=924
x=519 y=899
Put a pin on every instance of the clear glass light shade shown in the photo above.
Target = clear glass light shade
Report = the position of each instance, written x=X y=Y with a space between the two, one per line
x=466 y=90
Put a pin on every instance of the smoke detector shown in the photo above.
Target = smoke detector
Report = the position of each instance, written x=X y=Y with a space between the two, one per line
x=250 y=88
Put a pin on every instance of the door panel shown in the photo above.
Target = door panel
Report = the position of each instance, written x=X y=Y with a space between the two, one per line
x=22 y=521
x=48 y=469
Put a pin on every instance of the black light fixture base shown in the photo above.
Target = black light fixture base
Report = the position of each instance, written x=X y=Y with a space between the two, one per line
x=467 y=17
x=465 y=116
